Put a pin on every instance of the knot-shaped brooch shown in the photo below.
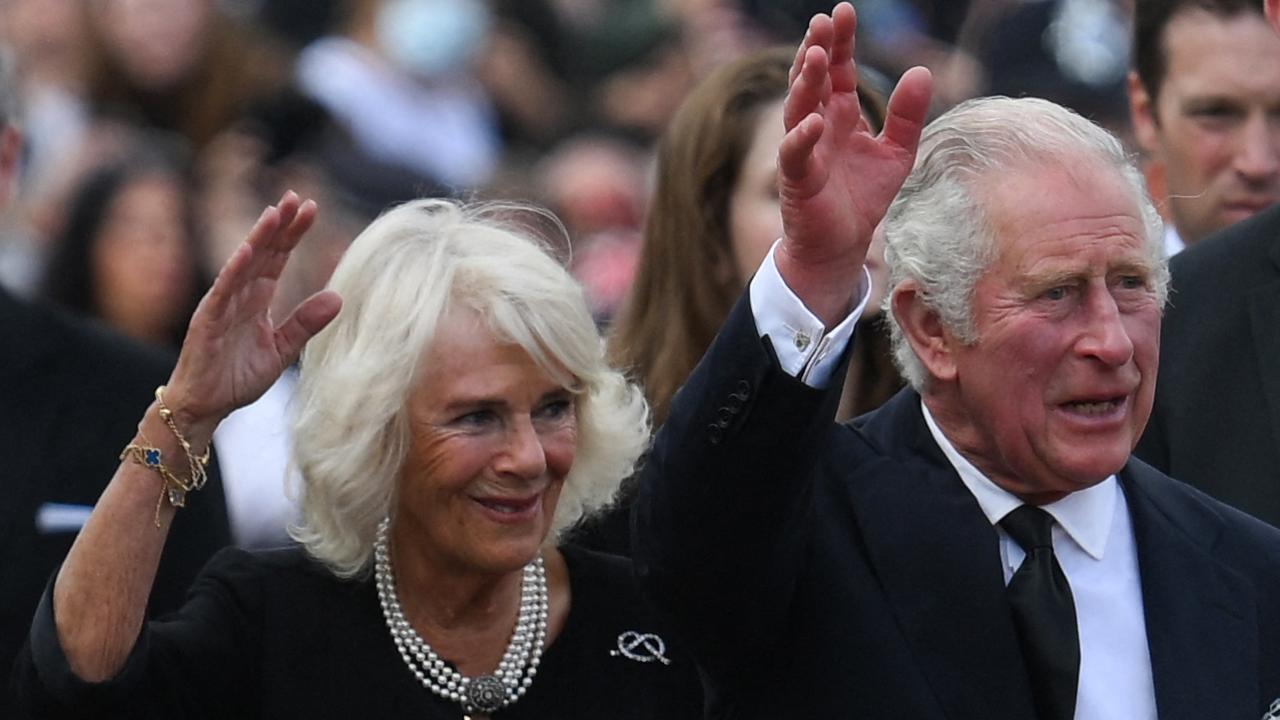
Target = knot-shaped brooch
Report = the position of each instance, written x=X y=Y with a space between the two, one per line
x=641 y=647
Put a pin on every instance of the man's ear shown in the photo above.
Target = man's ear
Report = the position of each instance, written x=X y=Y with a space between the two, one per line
x=1272 y=8
x=1146 y=127
x=923 y=329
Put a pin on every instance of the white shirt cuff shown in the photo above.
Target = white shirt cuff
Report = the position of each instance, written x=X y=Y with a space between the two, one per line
x=798 y=336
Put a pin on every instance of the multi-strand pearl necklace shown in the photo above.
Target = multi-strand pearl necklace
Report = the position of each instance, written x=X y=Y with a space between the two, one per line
x=484 y=693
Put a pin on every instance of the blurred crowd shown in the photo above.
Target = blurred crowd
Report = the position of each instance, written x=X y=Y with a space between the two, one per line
x=156 y=129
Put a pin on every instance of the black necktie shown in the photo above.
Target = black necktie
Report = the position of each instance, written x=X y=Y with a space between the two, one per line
x=1044 y=615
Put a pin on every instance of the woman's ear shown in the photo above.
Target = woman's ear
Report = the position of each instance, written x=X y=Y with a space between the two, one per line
x=933 y=344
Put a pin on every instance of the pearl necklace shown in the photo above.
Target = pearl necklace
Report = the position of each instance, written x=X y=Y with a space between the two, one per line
x=484 y=693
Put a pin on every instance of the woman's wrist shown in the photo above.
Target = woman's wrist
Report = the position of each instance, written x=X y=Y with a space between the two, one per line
x=192 y=423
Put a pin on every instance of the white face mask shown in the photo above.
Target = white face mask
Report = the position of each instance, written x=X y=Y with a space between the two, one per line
x=429 y=38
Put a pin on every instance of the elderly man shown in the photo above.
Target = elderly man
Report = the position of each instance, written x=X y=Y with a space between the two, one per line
x=983 y=546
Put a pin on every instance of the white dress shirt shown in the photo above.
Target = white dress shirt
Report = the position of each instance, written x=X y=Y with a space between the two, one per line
x=1172 y=240
x=1093 y=537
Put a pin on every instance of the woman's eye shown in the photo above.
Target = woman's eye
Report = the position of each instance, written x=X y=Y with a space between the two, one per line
x=555 y=409
x=477 y=418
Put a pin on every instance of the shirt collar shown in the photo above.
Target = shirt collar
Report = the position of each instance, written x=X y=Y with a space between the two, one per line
x=1085 y=515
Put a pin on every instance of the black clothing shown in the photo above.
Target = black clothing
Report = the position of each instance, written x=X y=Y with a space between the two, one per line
x=1216 y=420
x=274 y=634
x=824 y=570
x=71 y=396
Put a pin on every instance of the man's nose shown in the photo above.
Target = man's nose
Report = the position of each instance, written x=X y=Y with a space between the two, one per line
x=1258 y=156
x=1105 y=336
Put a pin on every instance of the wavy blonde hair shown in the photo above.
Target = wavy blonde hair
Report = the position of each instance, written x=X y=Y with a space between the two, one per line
x=397 y=280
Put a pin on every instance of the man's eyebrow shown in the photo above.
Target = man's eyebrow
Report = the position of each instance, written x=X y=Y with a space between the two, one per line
x=1043 y=280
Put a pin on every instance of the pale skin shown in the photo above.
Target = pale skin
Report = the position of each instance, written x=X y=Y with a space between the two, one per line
x=232 y=353
x=460 y=596
x=835 y=178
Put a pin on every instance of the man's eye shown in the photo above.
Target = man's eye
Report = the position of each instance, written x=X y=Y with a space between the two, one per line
x=1133 y=282
x=1057 y=293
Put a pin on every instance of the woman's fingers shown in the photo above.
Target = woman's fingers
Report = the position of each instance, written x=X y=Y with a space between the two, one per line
x=264 y=252
x=230 y=280
x=309 y=318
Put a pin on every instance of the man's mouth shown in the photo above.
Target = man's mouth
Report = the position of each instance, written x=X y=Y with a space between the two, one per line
x=1095 y=407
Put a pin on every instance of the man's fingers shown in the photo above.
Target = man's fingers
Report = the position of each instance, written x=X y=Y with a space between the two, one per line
x=819 y=35
x=908 y=108
x=844 y=25
x=806 y=94
x=309 y=318
x=795 y=154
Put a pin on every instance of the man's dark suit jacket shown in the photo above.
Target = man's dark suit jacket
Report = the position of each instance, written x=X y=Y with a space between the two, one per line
x=820 y=570
x=1216 y=423
x=71 y=396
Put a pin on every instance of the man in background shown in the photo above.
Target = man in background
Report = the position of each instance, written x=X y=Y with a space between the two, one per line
x=1216 y=419
x=1205 y=99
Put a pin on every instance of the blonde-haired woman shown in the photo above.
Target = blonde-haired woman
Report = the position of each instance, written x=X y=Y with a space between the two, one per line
x=452 y=420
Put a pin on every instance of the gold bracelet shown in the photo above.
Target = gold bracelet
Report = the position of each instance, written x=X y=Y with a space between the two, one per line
x=199 y=465
x=175 y=489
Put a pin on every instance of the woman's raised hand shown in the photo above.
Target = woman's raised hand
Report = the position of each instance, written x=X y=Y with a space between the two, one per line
x=233 y=350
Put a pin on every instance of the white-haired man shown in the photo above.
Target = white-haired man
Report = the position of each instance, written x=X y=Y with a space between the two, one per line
x=983 y=546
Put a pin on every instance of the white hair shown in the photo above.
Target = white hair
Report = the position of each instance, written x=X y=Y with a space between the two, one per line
x=397 y=280
x=937 y=233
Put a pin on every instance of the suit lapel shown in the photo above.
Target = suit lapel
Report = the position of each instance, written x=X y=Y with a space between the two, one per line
x=1264 y=318
x=939 y=567
x=1200 y=616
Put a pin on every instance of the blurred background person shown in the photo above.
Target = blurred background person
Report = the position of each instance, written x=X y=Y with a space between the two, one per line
x=454 y=419
x=184 y=66
x=399 y=77
x=597 y=185
x=72 y=393
x=1204 y=94
x=129 y=253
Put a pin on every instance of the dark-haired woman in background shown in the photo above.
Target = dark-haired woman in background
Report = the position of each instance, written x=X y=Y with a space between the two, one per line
x=128 y=253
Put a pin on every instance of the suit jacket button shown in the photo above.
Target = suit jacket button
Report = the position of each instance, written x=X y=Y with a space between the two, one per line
x=715 y=433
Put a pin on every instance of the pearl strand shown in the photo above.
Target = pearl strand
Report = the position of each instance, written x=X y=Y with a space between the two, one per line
x=484 y=693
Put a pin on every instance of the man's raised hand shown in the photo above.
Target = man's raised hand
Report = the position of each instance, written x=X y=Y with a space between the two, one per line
x=835 y=178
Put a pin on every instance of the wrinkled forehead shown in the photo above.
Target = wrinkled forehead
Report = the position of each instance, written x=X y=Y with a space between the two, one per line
x=1057 y=210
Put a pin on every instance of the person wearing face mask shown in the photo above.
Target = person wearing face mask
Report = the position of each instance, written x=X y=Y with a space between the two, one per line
x=454 y=415
x=399 y=81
